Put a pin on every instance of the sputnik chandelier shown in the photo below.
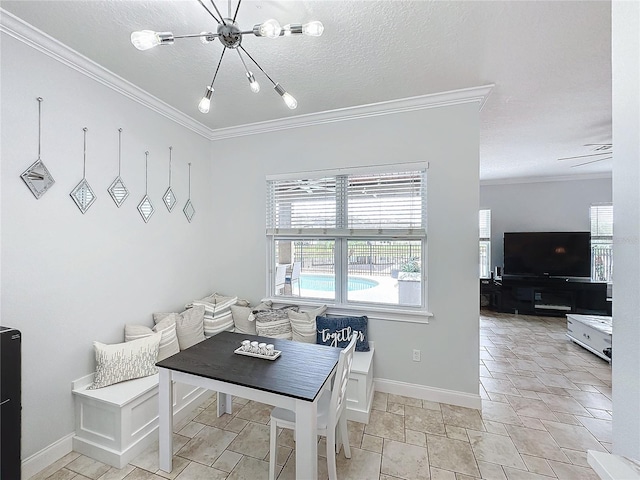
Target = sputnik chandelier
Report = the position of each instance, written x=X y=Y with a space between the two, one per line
x=230 y=35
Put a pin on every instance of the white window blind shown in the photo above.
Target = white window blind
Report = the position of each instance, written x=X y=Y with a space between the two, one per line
x=601 y=221
x=485 y=224
x=347 y=205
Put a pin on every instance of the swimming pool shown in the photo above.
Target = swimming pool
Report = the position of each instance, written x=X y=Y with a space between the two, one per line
x=326 y=283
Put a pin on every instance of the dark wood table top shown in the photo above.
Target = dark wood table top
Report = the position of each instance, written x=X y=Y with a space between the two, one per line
x=299 y=371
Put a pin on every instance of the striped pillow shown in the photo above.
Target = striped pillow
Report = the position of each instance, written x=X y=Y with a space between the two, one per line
x=217 y=313
x=303 y=324
x=274 y=323
x=168 y=341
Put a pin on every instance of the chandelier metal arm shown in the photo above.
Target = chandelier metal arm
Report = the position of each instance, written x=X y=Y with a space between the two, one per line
x=218 y=12
x=218 y=67
x=237 y=8
x=257 y=64
x=197 y=35
x=209 y=11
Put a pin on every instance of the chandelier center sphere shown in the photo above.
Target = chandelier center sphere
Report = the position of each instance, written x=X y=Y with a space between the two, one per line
x=229 y=33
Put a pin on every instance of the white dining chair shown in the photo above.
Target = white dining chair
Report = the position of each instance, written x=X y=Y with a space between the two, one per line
x=281 y=277
x=331 y=416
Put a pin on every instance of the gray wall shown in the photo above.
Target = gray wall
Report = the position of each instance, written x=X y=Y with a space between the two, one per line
x=626 y=217
x=554 y=206
x=67 y=278
x=445 y=137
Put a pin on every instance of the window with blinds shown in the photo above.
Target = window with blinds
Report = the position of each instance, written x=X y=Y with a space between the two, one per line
x=601 y=219
x=353 y=237
x=485 y=243
x=376 y=204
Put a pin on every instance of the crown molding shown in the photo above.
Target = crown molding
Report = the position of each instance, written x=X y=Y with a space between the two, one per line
x=556 y=178
x=37 y=39
x=40 y=41
x=454 y=97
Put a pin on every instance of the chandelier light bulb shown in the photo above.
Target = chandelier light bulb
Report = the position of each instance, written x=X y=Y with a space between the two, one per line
x=204 y=38
x=253 y=83
x=291 y=102
x=205 y=103
x=313 y=29
x=146 y=39
x=270 y=29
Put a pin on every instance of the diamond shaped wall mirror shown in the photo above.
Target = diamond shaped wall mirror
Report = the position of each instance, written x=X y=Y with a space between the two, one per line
x=82 y=194
x=169 y=198
x=188 y=209
x=145 y=207
x=117 y=189
x=37 y=176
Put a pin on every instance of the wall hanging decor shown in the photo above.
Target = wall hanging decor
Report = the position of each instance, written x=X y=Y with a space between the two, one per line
x=145 y=207
x=83 y=195
x=188 y=209
x=37 y=176
x=169 y=197
x=117 y=189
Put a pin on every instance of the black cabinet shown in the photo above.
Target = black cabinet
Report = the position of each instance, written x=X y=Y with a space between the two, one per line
x=553 y=296
x=10 y=403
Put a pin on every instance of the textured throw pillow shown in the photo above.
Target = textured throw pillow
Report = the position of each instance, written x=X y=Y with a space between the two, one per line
x=125 y=361
x=337 y=331
x=217 y=313
x=274 y=323
x=241 y=312
x=189 y=325
x=168 y=341
x=303 y=324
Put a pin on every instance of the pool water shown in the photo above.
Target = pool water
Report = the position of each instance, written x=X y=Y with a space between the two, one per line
x=326 y=283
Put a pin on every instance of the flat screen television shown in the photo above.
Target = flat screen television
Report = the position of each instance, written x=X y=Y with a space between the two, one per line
x=547 y=254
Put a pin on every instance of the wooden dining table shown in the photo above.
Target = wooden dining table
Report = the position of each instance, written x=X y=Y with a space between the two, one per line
x=294 y=381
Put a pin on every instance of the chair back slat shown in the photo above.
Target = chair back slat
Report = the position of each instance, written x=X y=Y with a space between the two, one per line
x=339 y=391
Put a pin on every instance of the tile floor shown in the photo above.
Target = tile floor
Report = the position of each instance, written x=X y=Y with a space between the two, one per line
x=545 y=402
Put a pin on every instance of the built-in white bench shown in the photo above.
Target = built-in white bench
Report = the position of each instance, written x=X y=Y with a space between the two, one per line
x=114 y=424
x=360 y=386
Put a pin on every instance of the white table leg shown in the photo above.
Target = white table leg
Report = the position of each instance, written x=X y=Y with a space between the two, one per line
x=306 y=439
x=165 y=420
x=224 y=404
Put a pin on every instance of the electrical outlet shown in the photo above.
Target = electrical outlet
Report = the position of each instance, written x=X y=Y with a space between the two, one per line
x=416 y=355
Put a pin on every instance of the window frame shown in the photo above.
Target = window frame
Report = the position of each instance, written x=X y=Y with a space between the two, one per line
x=485 y=239
x=341 y=236
x=600 y=238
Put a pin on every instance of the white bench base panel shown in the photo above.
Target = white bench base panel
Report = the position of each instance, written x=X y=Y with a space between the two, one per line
x=360 y=386
x=116 y=423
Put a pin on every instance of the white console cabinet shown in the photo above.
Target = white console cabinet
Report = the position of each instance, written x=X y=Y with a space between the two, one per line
x=592 y=332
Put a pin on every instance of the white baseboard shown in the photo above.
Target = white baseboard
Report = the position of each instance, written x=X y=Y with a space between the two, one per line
x=45 y=457
x=432 y=394
x=613 y=467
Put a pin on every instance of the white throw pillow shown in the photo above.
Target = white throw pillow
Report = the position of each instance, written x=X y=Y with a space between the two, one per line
x=168 y=342
x=303 y=324
x=189 y=325
x=241 y=315
x=217 y=313
x=125 y=361
x=274 y=323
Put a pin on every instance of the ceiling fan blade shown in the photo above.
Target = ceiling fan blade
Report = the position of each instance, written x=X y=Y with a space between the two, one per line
x=584 y=156
x=591 y=161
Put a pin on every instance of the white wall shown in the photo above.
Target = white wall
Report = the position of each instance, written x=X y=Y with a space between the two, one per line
x=67 y=278
x=626 y=217
x=445 y=137
x=553 y=206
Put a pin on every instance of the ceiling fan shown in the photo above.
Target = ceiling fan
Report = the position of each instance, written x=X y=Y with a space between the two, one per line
x=601 y=151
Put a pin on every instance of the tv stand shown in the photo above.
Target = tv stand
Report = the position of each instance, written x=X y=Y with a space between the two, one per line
x=552 y=296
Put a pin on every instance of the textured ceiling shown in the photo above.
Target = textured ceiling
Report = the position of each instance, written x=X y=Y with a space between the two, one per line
x=550 y=63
